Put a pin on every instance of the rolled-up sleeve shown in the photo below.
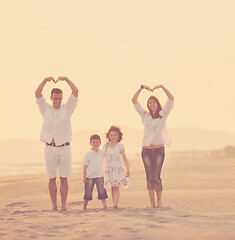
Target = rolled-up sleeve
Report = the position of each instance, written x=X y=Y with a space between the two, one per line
x=71 y=104
x=139 y=109
x=167 y=108
x=41 y=102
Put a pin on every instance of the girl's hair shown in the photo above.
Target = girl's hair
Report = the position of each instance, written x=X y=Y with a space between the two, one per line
x=159 y=107
x=116 y=129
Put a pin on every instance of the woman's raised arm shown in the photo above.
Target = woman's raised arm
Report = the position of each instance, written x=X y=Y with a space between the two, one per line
x=136 y=95
x=169 y=95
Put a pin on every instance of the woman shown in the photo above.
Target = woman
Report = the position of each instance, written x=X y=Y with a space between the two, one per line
x=155 y=137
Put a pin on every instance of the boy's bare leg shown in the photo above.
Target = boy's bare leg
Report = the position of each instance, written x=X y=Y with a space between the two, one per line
x=112 y=193
x=53 y=193
x=104 y=203
x=116 y=196
x=85 y=204
x=159 y=199
x=151 y=197
x=64 y=187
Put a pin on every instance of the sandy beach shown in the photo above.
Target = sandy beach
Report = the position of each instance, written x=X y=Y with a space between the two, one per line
x=198 y=203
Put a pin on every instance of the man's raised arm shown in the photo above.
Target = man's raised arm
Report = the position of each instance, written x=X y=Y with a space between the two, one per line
x=38 y=92
x=71 y=84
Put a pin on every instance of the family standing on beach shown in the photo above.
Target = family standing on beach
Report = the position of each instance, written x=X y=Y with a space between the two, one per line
x=56 y=134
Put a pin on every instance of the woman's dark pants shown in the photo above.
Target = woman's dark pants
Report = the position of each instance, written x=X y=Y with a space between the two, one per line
x=153 y=160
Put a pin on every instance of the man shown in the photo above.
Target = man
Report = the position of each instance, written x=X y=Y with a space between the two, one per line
x=56 y=133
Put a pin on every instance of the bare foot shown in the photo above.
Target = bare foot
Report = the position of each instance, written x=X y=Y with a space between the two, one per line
x=63 y=209
x=153 y=204
x=115 y=207
x=159 y=204
x=54 y=209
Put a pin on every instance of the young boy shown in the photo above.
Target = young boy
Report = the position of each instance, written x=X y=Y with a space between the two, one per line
x=93 y=172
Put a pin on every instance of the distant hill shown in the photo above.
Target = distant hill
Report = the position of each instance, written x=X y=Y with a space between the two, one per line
x=199 y=139
x=25 y=151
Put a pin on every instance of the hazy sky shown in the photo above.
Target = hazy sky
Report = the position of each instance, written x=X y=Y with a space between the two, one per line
x=108 y=49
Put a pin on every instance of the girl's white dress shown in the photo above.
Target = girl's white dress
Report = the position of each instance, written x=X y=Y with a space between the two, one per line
x=115 y=175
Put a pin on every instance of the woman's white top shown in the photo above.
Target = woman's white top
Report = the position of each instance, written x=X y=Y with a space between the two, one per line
x=155 y=131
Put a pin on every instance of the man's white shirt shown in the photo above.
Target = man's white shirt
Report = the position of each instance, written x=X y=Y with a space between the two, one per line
x=57 y=122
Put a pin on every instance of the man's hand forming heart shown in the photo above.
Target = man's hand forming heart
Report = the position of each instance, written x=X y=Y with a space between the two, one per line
x=49 y=79
x=61 y=79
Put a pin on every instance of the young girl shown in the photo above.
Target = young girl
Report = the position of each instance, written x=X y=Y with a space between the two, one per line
x=115 y=175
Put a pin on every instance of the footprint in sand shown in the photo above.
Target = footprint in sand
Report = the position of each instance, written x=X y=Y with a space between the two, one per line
x=75 y=203
x=128 y=229
x=186 y=216
x=108 y=236
x=16 y=204
x=25 y=212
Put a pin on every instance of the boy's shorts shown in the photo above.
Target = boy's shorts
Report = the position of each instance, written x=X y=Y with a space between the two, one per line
x=89 y=185
x=58 y=157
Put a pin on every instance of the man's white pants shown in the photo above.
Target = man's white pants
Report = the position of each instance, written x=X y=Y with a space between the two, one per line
x=58 y=157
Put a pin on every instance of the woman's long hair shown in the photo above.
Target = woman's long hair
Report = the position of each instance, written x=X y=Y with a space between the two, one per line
x=159 y=107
